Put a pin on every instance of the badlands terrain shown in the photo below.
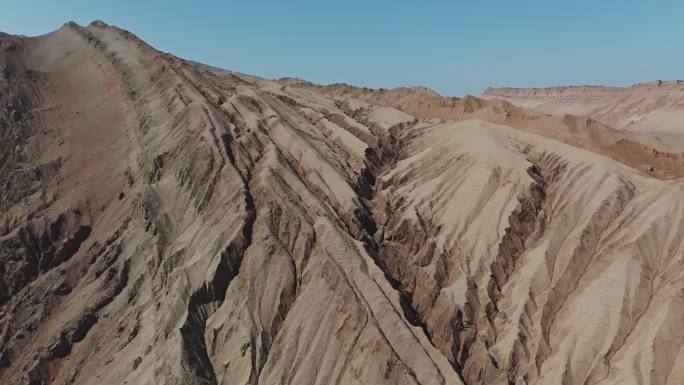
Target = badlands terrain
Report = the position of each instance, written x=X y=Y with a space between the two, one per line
x=165 y=222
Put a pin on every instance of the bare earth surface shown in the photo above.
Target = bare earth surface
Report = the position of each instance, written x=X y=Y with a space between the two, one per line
x=165 y=222
x=656 y=108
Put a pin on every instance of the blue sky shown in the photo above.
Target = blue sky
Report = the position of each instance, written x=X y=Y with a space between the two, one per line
x=454 y=47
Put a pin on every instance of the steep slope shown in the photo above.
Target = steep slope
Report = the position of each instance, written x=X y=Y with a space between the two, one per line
x=171 y=226
x=530 y=261
x=659 y=155
x=165 y=222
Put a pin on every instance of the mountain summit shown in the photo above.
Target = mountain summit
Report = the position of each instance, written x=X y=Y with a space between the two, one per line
x=166 y=222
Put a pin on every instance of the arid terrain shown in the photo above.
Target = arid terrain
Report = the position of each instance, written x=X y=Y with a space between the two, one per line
x=167 y=222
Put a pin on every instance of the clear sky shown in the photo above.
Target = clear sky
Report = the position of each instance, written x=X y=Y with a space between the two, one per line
x=454 y=47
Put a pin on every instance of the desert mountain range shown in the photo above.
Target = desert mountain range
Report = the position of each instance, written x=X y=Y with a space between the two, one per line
x=167 y=222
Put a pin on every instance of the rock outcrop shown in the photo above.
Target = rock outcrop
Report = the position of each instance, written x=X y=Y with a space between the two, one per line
x=165 y=222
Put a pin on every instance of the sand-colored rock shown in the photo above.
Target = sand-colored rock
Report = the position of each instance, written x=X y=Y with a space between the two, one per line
x=165 y=222
x=654 y=107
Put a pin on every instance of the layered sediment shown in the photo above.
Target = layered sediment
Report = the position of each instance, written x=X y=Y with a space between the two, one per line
x=164 y=222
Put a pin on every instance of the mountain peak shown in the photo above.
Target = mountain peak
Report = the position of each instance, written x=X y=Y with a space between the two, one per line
x=167 y=222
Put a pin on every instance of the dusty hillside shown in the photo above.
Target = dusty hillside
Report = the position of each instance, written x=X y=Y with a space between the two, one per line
x=657 y=153
x=168 y=223
x=655 y=107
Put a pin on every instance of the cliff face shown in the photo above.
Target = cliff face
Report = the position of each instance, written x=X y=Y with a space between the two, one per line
x=169 y=223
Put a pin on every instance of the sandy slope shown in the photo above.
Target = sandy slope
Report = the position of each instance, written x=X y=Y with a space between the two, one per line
x=169 y=223
x=655 y=107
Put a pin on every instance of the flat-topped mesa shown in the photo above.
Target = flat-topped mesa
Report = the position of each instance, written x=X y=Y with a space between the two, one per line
x=654 y=86
x=656 y=106
x=546 y=91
